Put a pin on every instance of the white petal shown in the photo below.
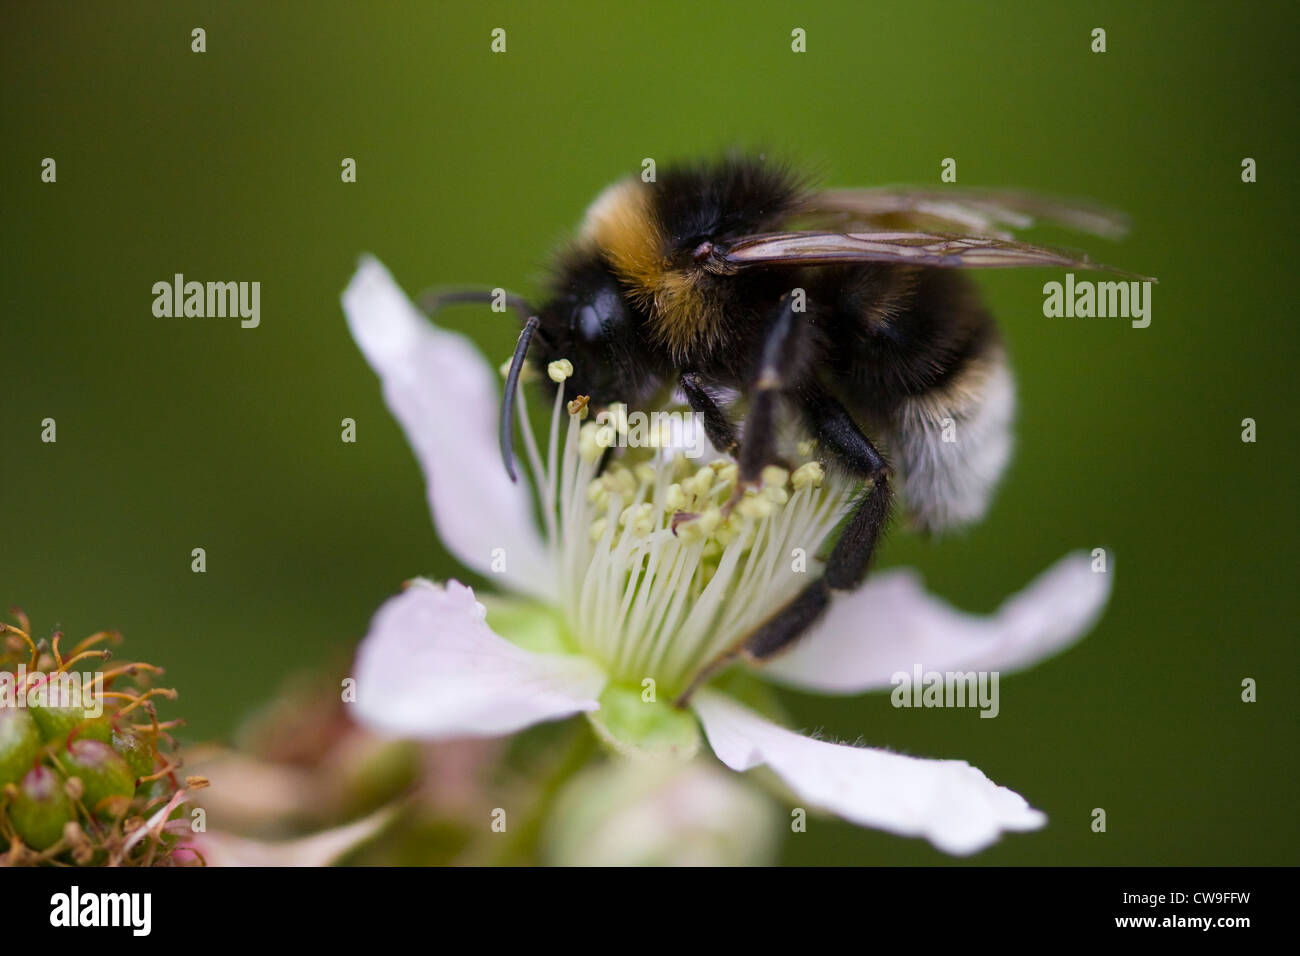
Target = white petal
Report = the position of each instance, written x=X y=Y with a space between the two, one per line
x=431 y=667
x=948 y=802
x=319 y=849
x=891 y=624
x=446 y=398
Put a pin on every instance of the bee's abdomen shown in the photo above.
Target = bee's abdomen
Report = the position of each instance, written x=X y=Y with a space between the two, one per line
x=905 y=332
x=925 y=365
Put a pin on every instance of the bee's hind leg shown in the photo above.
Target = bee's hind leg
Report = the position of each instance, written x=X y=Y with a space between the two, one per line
x=840 y=436
x=784 y=352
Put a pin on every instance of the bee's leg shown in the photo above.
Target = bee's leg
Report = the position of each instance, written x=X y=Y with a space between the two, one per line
x=721 y=432
x=775 y=371
x=836 y=431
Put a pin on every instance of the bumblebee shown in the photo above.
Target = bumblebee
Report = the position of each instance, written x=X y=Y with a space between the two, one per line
x=846 y=308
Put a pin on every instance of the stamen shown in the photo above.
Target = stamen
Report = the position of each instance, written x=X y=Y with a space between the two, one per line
x=535 y=461
x=655 y=579
x=130 y=669
x=22 y=632
x=139 y=699
x=103 y=655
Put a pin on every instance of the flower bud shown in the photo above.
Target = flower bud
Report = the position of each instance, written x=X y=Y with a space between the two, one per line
x=20 y=744
x=105 y=776
x=660 y=813
x=60 y=723
x=41 y=809
x=135 y=752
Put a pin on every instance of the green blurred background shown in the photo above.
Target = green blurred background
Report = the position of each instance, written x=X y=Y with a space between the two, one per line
x=183 y=433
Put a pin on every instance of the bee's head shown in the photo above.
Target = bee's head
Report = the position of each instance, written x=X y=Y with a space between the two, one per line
x=589 y=322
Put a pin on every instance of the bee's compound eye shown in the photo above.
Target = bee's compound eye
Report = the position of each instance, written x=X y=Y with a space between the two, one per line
x=588 y=324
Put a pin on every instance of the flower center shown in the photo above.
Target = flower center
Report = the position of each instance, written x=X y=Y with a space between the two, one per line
x=655 y=578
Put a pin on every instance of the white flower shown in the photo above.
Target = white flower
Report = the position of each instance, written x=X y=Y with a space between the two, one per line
x=630 y=597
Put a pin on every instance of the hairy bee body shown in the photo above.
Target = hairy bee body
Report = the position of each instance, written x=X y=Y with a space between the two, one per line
x=847 y=308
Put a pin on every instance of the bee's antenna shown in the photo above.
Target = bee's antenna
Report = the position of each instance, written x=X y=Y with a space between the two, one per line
x=508 y=399
x=432 y=300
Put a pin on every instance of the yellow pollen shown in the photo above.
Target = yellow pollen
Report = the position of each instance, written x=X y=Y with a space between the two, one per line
x=559 y=370
x=589 y=447
x=809 y=475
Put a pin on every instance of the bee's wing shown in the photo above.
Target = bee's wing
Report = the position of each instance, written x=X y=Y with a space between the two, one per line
x=933 y=250
x=981 y=212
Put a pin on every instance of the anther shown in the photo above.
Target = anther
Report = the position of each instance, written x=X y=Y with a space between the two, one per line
x=559 y=370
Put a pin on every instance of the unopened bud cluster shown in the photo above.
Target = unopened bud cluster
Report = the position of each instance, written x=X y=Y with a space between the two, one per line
x=84 y=786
